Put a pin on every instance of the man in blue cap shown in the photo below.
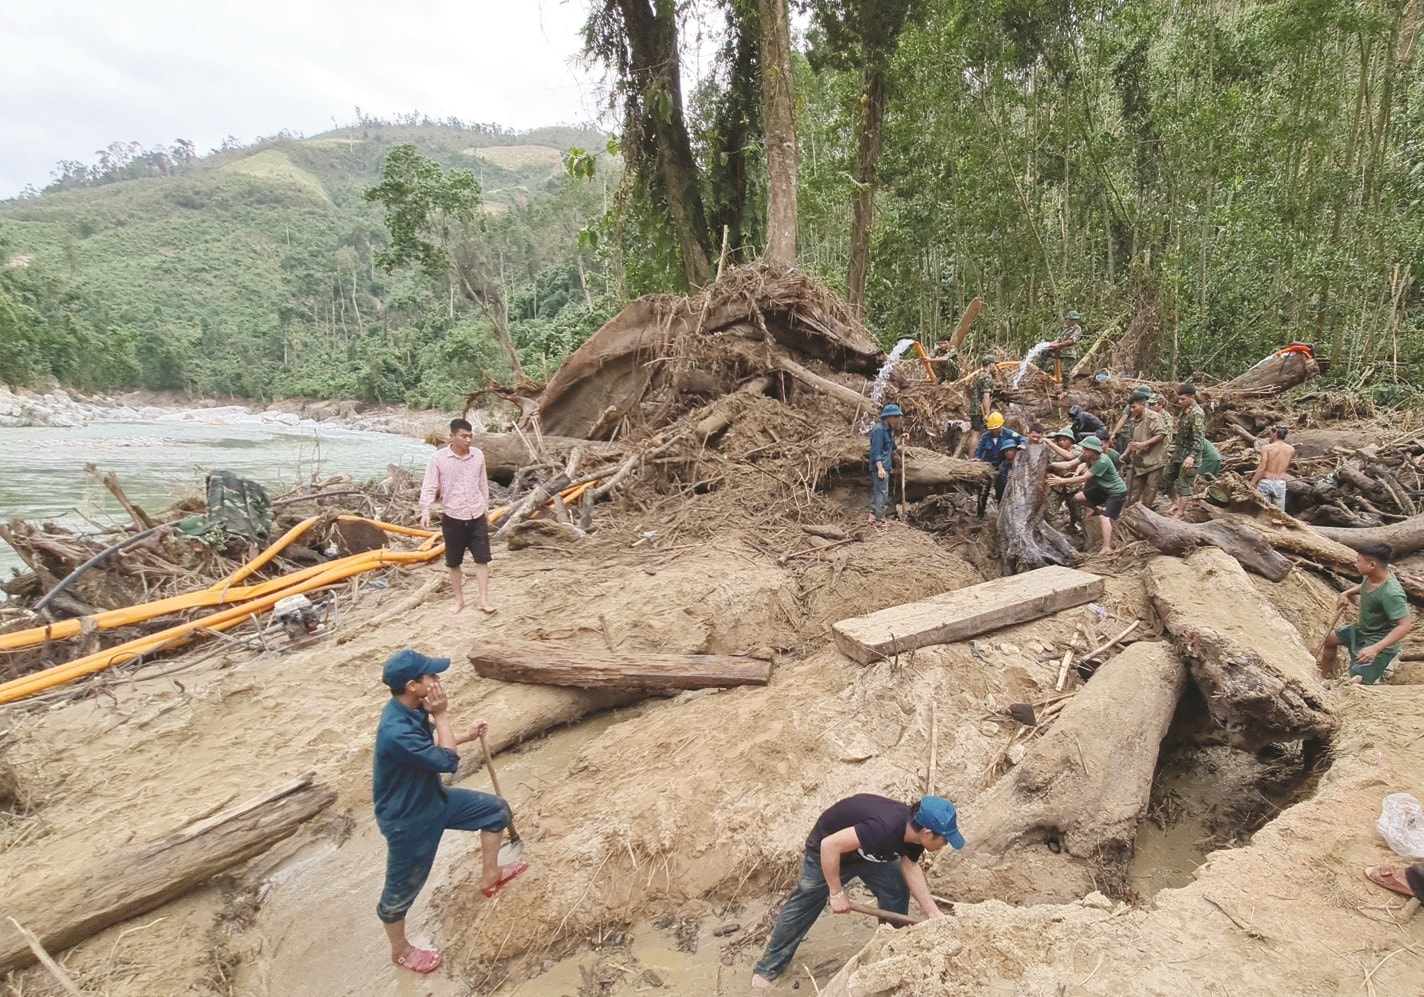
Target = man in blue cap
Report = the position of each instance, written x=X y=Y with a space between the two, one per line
x=867 y=837
x=882 y=461
x=414 y=744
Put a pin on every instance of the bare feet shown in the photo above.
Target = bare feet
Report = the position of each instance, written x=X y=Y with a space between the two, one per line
x=457 y=609
x=487 y=609
x=760 y=982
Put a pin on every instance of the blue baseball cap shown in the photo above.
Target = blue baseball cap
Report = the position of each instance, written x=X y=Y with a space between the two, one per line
x=938 y=815
x=891 y=409
x=407 y=666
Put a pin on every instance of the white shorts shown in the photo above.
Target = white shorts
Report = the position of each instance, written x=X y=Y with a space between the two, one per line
x=1275 y=491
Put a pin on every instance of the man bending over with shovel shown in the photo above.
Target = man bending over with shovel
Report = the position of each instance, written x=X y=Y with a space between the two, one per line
x=866 y=837
x=414 y=744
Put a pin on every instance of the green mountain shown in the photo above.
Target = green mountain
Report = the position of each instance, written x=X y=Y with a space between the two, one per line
x=250 y=271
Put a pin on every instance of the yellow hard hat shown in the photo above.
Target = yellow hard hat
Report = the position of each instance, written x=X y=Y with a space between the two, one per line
x=995 y=420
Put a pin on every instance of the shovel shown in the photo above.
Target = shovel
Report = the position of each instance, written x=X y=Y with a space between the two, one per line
x=513 y=851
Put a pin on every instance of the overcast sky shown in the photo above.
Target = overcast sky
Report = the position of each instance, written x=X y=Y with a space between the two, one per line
x=79 y=74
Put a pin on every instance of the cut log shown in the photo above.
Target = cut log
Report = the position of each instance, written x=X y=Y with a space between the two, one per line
x=1171 y=536
x=506 y=453
x=965 y=612
x=1085 y=785
x=1026 y=541
x=1251 y=664
x=584 y=670
x=137 y=879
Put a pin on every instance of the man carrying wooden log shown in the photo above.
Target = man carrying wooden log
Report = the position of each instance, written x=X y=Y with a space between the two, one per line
x=414 y=744
x=1103 y=489
x=1147 y=453
x=1273 y=468
x=867 y=837
x=882 y=462
x=1188 y=449
x=1385 y=619
x=456 y=475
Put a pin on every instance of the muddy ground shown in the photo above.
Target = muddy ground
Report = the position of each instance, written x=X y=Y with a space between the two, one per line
x=663 y=834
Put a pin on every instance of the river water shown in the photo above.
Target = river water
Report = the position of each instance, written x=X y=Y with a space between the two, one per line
x=165 y=458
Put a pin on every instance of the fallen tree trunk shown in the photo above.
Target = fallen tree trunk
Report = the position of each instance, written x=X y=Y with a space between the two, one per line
x=1171 y=536
x=827 y=387
x=722 y=412
x=584 y=670
x=1406 y=537
x=135 y=880
x=518 y=713
x=1084 y=787
x=927 y=472
x=1026 y=540
x=1276 y=373
x=1251 y=664
x=506 y=453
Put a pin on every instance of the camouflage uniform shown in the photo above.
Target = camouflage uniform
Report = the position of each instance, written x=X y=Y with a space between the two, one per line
x=1189 y=441
x=983 y=385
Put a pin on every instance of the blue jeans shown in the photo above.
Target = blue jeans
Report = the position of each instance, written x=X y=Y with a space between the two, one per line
x=879 y=494
x=804 y=905
x=409 y=858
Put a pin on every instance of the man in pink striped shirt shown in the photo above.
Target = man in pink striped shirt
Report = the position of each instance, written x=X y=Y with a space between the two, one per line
x=456 y=475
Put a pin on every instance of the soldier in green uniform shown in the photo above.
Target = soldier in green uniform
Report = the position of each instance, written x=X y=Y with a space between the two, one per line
x=981 y=402
x=1188 y=449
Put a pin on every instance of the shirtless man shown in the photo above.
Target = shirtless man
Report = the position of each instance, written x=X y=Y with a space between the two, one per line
x=1274 y=467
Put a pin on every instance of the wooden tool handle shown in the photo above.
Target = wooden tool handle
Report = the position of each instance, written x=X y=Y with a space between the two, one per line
x=884 y=915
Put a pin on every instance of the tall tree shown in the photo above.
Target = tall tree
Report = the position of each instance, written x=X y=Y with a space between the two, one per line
x=433 y=216
x=638 y=40
x=864 y=34
x=779 y=113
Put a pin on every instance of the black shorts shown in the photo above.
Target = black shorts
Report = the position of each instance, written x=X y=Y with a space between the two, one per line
x=1112 y=508
x=462 y=535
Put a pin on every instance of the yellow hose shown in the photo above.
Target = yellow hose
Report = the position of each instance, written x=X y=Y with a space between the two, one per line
x=29 y=685
x=249 y=599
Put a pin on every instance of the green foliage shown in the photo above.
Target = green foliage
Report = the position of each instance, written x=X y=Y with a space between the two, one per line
x=256 y=271
x=427 y=210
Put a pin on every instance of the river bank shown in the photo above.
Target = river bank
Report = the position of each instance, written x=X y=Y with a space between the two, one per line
x=61 y=408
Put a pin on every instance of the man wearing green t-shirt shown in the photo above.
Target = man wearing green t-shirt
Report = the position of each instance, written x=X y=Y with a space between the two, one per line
x=1385 y=619
x=1103 y=488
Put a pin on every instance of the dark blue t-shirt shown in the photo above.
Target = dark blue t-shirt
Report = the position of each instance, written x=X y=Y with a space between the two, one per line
x=406 y=779
x=879 y=823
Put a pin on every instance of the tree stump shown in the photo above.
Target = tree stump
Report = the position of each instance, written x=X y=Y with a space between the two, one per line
x=1026 y=540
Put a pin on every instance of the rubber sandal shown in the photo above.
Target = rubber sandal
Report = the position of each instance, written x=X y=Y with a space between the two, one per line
x=1391 y=877
x=419 y=961
x=506 y=874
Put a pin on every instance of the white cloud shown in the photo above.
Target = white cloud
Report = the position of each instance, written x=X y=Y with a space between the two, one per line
x=82 y=74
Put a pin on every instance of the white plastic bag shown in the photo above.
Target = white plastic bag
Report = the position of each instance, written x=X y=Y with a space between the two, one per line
x=1401 y=824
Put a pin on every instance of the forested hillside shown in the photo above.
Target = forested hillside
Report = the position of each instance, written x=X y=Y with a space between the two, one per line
x=1205 y=182
x=251 y=271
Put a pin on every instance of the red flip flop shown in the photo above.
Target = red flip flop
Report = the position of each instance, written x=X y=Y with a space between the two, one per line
x=1391 y=877
x=419 y=961
x=505 y=875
